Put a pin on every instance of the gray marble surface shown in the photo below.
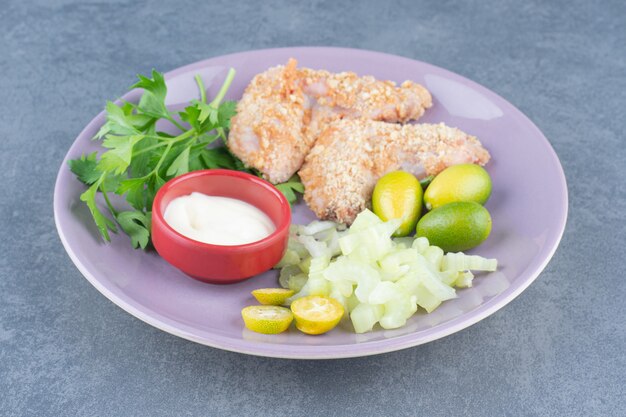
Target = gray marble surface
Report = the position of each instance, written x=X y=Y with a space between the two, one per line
x=558 y=349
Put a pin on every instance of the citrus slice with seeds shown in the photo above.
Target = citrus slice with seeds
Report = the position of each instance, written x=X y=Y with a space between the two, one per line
x=316 y=314
x=267 y=319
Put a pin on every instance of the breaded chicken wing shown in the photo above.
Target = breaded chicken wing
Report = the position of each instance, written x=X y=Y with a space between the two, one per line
x=342 y=168
x=284 y=109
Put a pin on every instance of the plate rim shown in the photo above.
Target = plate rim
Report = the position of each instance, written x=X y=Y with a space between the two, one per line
x=340 y=350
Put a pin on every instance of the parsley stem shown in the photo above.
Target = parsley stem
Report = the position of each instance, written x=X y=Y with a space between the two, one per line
x=164 y=142
x=106 y=199
x=201 y=88
x=169 y=145
x=220 y=95
x=162 y=138
x=149 y=148
x=183 y=136
x=111 y=208
x=156 y=168
x=175 y=123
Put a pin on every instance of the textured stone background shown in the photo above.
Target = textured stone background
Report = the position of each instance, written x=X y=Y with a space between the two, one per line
x=558 y=349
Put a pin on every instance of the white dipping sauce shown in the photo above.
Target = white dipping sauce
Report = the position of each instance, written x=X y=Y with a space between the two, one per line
x=217 y=220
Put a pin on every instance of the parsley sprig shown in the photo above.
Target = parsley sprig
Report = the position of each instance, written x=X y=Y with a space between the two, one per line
x=139 y=159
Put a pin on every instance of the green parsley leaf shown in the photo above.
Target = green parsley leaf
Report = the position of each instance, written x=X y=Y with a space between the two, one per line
x=206 y=112
x=140 y=165
x=85 y=168
x=111 y=182
x=180 y=165
x=103 y=223
x=152 y=101
x=154 y=183
x=136 y=224
x=134 y=188
x=225 y=112
x=191 y=115
x=217 y=158
x=290 y=188
x=118 y=157
x=117 y=122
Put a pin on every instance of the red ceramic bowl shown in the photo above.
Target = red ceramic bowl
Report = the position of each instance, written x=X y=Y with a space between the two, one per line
x=215 y=263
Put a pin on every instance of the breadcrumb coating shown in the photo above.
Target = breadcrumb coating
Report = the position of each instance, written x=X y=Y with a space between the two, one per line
x=267 y=132
x=284 y=109
x=349 y=157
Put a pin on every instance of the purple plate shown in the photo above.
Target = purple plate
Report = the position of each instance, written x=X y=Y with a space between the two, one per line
x=528 y=207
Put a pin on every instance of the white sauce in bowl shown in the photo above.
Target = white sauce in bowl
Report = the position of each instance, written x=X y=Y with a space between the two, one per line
x=217 y=220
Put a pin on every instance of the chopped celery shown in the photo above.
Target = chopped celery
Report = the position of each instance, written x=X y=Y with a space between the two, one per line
x=316 y=227
x=464 y=279
x=345 y=287
x=337 y=295
x=409 y=283
x=296 y=282
x=421 y=244
x=364 y=220
x=333 y=244
x=352 y=302
x=383 y=292
x=398 y=311
x=434 y=255
x=377 y=278
x=305 y=265
x=365 y=316
x=405 y=242
x=363 y=275
x=449 y=277
x=314 y=247
x=297 y=247
x=462 y=262
x=290 y=257
x=394 y=261
x=426 y=299
x=431 y=281
x=315 y=285
x=317 y=265
x=286 y=273
x=370 y=244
